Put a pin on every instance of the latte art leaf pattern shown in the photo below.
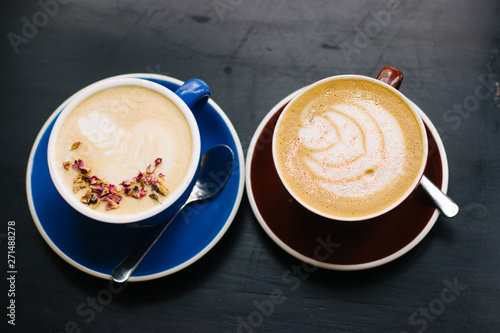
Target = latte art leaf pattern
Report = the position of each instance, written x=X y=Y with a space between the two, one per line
x=346 y=144
x=97 y=128
x=130 y=148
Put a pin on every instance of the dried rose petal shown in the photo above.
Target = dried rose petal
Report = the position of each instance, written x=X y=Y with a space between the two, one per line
x=112 y=189
x=115 y=197
x=127 y=190
x=85 y=171
x=75 y=145
x=149 y=180
x=78 y=184
x=67 y=165
x=98 y=190
x=139 y=176
x=111 y=204
x=78 y=164
x=94 y=180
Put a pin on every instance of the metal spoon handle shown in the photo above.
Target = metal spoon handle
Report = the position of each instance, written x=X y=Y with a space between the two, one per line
x=442 y=202
x=215 y=169
x=127 y=266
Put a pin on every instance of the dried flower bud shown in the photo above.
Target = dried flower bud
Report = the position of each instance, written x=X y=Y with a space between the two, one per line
x=163 y=190
x=154 y=197
x=90 y=198
x=160 y=189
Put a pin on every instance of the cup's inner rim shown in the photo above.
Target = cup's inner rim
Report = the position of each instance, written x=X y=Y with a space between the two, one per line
x=423 y=161
x=89 y=91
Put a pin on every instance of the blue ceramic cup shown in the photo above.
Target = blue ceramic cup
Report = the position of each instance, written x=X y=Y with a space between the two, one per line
x=192 y=95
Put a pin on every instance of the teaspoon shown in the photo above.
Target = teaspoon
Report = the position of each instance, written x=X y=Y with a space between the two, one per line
x=442 y=202
x=215 y=168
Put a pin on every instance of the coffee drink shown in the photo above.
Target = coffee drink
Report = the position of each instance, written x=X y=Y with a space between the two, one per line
x=349 y=147
x=119 y=135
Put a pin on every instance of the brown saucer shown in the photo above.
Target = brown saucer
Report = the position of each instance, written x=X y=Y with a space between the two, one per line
x=334 y=244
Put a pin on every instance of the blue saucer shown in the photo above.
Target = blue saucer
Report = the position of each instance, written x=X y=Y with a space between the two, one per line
x=96 y=247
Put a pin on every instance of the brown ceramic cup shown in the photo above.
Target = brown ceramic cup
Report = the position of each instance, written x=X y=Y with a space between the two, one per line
x=351 y=147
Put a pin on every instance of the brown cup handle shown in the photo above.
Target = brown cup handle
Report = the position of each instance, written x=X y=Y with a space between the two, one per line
x=391 y=76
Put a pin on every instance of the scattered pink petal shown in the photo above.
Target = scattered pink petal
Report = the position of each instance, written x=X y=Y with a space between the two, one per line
x=99 y=190
x=139 y=176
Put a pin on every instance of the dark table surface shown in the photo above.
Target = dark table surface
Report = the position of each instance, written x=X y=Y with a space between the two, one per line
x=253 y=54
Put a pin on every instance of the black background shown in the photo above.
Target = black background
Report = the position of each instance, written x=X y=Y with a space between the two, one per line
x=252 y=54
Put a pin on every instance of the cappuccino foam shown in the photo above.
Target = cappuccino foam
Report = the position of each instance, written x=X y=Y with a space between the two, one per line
x=349 y=148
x=122 y=131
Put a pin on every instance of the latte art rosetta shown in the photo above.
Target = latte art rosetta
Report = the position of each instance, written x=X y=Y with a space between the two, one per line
x=346 y=150
x=130 y=146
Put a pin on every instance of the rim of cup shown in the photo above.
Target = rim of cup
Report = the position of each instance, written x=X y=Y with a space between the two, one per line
x=415 y=182
x=92 y=89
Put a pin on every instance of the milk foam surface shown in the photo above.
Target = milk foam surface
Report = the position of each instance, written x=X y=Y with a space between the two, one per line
x=123 y=130
x=349 y=148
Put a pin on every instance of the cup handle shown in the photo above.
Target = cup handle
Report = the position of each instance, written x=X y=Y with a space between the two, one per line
x=443 y=203
x=391 y=76
x=194 y=92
